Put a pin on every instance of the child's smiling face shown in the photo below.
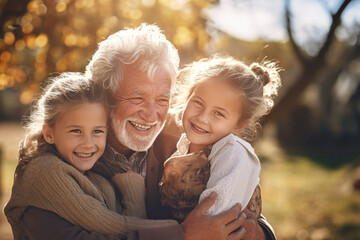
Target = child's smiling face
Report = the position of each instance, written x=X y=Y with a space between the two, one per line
x=212 y=112
x=79 y=135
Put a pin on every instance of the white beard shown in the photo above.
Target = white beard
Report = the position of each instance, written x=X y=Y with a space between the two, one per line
x=134 y=142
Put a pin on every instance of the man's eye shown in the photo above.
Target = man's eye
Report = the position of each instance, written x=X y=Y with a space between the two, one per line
x=163 y=101
x=198 y=103
x=137 y=100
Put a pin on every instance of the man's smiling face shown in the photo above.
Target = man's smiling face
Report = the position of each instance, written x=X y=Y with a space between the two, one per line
x=142 y=105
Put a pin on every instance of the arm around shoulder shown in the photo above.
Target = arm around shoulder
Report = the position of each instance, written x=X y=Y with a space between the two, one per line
x=49 y=225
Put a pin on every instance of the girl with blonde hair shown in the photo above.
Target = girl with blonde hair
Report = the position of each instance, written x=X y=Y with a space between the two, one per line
x=65 y=136
x=219 y=104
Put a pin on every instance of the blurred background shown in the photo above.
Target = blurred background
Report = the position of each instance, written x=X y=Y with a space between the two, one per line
x=310 y=145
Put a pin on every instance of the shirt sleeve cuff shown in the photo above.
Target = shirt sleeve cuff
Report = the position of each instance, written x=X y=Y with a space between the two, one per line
x=268 y=230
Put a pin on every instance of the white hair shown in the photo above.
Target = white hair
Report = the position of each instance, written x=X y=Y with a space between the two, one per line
x=144 y=46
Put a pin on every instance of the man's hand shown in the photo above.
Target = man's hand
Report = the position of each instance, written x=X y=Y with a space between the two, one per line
x=252 y=227
x=199 y=226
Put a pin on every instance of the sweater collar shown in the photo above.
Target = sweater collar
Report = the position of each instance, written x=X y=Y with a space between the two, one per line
x=136 y=162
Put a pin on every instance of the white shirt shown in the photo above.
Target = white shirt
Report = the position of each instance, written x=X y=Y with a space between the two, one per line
x=234 y=172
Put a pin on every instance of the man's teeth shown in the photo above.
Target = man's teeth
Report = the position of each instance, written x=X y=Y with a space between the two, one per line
x=84 y=155
x=199 y=129
x=140 y=126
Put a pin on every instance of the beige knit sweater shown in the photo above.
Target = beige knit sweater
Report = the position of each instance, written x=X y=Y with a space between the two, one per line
x=89 y=200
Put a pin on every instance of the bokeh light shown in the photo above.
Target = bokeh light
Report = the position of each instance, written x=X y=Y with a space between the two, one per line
x=31 y=41
x=5 y=56
x=9 y=38
x=184 y=37
x=20 y=45
x=26 y=96
x=41 y=40
x=41 y=9
x=61 y=7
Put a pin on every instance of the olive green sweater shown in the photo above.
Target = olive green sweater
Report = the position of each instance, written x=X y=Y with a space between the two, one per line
x=89 y=200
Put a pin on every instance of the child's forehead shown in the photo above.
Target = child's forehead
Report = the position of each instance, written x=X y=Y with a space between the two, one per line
x=216 y=89
x=209 y=82
x=82 y=115
x=72 y=109
x=83 y=104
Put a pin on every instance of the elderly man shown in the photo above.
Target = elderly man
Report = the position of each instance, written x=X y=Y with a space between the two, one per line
x=140 y=66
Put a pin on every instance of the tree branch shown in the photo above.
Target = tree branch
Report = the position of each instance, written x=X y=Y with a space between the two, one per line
x=336 y=20
x=297 y=50
x=312 y=66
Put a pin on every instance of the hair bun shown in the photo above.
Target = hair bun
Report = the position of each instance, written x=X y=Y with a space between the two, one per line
x=261 y=73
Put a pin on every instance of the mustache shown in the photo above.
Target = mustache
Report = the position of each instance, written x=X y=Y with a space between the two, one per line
x=142 y=121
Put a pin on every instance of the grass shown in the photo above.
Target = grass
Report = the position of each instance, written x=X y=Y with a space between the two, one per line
x=306 y=200
x=302 y=199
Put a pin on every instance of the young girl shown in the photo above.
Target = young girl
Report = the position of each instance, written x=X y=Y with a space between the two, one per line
x=65 y=136
x=220 y=101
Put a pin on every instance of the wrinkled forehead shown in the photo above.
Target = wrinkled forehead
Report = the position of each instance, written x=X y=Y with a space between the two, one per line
x=151 y=73
x=135 y=80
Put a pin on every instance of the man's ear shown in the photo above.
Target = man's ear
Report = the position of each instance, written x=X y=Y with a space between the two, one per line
x=241 y=126
x=48 y=134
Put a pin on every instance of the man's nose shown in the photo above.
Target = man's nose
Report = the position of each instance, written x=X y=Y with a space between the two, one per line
x=149 y=111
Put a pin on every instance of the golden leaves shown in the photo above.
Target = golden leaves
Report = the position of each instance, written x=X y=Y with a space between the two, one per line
x=61 y=35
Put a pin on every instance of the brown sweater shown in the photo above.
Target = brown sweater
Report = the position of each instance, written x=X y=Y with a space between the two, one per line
x=89 y=201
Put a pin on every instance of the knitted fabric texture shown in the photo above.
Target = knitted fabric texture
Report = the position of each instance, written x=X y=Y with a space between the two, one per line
x=89 y=201
x=234 y=173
